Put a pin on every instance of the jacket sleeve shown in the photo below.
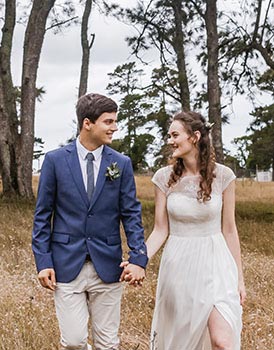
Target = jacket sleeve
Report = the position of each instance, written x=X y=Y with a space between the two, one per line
x=131 y=211
x=41 y=234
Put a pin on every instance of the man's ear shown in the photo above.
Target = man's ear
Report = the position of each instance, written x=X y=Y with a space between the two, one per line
x=87 y=124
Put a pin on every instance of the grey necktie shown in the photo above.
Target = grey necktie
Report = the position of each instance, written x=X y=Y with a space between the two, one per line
x=90 y=175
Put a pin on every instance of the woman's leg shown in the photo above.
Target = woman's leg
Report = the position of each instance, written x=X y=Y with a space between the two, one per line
x=221 y=334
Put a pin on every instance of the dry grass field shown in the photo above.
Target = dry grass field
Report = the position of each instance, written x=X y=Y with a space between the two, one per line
x=27 y=316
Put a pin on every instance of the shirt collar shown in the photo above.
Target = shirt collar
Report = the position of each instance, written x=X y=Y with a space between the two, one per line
x=82 y=151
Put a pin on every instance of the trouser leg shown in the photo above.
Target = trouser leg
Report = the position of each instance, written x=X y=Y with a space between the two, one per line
x=104 y=307
x=72 y=313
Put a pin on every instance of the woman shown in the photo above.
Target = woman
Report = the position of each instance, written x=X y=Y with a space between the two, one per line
x=200 y=284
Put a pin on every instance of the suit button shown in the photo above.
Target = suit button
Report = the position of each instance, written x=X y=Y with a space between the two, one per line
x=89 y=238
x=90 y=215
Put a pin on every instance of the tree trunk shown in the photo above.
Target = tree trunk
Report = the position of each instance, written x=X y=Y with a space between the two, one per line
x=34 y=38
x=17 y=133
x=8 y=115
x=178 y=44
x=213 y=87
x=86 y=46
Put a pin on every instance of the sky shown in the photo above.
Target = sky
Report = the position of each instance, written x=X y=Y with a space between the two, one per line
x=59 y=72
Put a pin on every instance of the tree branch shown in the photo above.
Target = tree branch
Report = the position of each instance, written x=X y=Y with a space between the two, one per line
x=257 y=23
x=178 y=99
x=198 y=9
x=92 y=40
x=264 y=52
x=59 y=24
x=265 y=19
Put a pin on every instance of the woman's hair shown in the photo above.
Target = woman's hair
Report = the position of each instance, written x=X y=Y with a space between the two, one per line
x=196 y=122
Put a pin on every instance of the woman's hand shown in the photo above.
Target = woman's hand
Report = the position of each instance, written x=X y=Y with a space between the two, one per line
x=242 y=292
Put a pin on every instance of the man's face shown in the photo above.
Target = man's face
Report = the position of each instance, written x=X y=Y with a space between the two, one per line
x=102 y=130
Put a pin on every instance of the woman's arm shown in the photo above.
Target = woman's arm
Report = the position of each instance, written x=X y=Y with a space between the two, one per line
x=160 y=230
x=231 y=234
x=154 y=242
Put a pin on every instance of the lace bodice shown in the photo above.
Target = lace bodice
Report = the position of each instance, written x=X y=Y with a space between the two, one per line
x=187 y=216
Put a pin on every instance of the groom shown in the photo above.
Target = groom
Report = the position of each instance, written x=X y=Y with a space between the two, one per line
x=85 y=190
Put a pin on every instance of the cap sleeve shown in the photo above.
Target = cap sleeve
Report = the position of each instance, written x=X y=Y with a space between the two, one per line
x=160 y=179
x=227 y=177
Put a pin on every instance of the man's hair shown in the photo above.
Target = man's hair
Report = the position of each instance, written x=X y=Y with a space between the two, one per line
x=91 y=106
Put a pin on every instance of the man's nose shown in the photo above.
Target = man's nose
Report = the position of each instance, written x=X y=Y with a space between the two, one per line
x=114 y=127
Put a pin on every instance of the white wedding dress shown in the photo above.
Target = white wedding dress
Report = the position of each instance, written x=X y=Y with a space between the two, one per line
x=197 y=271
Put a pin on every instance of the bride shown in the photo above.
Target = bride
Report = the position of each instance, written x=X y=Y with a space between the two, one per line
x=200 y=285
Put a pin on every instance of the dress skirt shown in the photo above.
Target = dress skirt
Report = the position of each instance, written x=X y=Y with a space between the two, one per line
x=196 y=274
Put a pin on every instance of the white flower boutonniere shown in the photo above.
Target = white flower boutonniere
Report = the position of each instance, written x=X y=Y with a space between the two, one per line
x=113 y=171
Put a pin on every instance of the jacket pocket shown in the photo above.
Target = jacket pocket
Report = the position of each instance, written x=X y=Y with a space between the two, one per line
x=60 y=238
x=112 y=240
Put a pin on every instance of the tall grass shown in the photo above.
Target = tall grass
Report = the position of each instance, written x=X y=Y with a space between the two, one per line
x=27 y=316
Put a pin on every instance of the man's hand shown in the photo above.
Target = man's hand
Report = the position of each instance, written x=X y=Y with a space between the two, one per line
x=133 y=274
x=47 y=279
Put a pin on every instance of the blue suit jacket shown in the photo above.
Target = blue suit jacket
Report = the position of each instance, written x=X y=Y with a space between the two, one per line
x=67 y=226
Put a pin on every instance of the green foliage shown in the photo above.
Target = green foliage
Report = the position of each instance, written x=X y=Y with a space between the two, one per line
x=164 y=83
x=234 y=162
x=266 y=81
x=256 y=149
x=163 y=26
x=243 y=143
x=140 y=149
x=133 y=113
x=137 y=150
x=246 y=44
x=261 y=149
x=243 y=46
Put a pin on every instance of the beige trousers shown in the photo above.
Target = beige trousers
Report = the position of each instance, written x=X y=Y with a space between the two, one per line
x=88 y=296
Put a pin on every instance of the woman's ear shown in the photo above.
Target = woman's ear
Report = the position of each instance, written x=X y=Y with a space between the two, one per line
x=196 y=137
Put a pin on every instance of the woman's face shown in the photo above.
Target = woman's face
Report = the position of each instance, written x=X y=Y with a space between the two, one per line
x=182 y=144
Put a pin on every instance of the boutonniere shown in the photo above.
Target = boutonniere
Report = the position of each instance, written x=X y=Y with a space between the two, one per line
x=113 y=171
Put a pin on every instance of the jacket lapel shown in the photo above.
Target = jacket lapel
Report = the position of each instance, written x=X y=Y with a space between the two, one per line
x=74 y=165
x=105 y=162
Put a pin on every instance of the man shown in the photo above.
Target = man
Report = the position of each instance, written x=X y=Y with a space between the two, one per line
x=85 y=189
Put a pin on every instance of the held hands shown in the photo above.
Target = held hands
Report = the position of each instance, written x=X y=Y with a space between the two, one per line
x=133 y=274
x=47 y=279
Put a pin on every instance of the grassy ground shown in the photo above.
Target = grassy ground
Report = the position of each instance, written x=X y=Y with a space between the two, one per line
x=27 y=316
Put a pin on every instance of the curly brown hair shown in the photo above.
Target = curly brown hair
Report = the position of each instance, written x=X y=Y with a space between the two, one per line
x=192 y=122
